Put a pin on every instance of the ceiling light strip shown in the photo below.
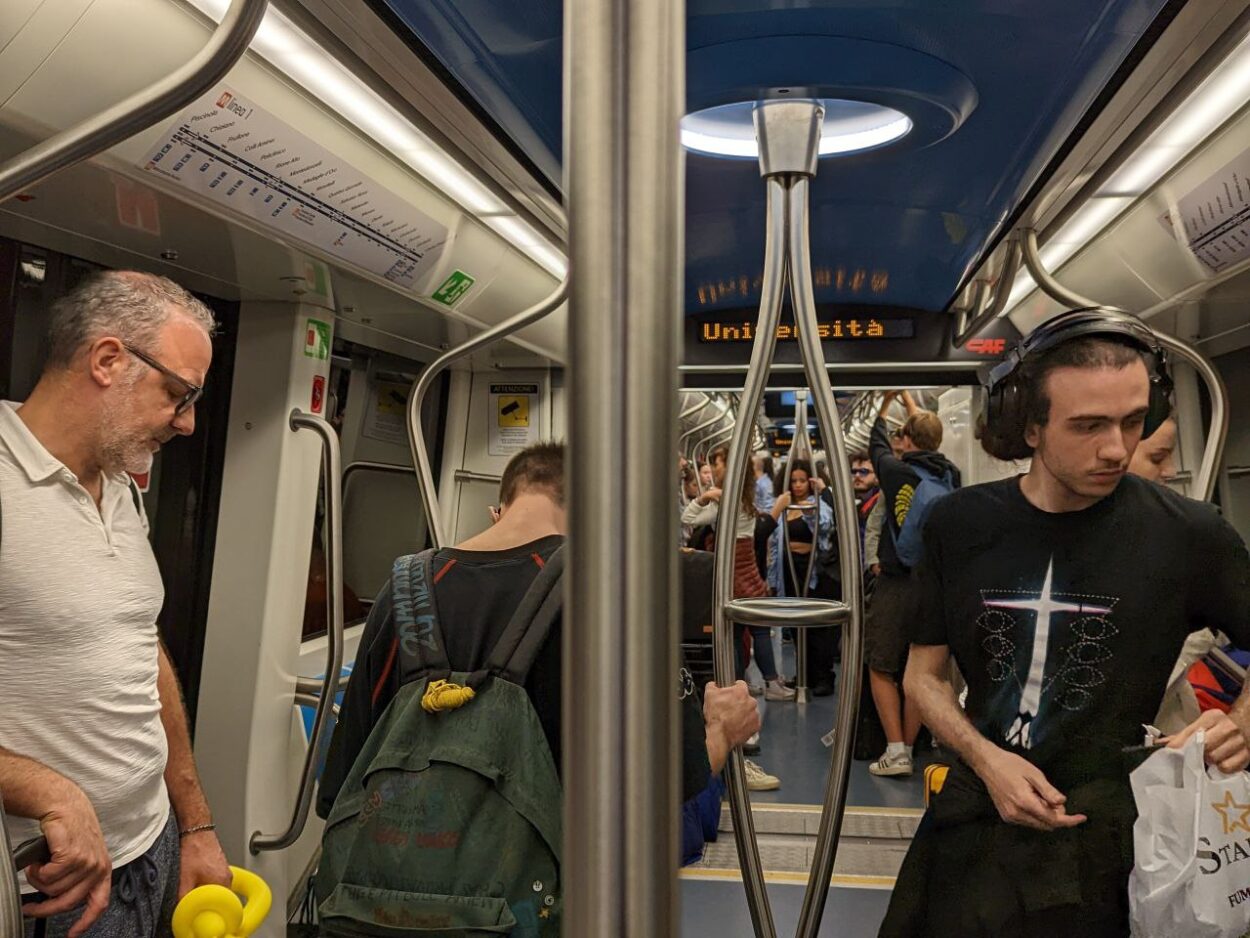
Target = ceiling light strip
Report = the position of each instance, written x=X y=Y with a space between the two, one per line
x=1220 y=96
x=287 y=48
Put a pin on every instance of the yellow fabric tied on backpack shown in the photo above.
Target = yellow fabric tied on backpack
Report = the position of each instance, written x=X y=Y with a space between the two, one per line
x=444 y=695
x=934 y=779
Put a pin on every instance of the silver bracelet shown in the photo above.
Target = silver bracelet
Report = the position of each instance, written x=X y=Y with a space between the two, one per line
x=200 y=828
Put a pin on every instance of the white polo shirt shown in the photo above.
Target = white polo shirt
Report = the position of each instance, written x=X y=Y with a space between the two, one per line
x=79 y=596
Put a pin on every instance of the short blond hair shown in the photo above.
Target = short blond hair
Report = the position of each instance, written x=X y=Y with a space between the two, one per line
x=924 y=430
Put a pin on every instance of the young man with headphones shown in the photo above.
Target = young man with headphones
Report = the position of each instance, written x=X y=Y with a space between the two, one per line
x=1065 y=595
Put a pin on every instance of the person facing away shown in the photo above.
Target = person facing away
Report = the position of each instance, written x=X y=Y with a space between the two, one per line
x=890 y=611
x=94 y=748
x=1065 y=595
x=477 y=586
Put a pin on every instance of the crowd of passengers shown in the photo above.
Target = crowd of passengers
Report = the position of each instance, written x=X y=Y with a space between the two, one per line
x=1030 y=835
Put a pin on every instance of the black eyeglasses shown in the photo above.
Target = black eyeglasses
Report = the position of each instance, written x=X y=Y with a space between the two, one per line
x=192 y=393
x=861 y=472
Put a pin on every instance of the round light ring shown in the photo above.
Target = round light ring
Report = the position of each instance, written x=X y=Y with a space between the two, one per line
x=849 y=127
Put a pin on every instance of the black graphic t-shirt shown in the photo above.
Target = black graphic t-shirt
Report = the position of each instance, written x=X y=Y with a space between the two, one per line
x=1066 y=626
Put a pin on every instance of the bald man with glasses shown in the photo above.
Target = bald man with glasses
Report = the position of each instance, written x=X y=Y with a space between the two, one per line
x=94 y=748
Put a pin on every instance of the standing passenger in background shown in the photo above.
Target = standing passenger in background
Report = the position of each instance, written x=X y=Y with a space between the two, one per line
x=94 y=735
x=891 y=611
x=762 y=463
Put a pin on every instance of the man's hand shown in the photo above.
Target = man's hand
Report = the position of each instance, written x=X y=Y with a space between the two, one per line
x=733 y=711
x=1022 y=794
x=80 y=870
x=1225 y=744
x=202 y=862
x=875 y=569
x=711 y=495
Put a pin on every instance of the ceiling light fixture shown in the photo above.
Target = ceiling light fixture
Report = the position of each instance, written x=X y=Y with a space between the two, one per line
x=849 y=127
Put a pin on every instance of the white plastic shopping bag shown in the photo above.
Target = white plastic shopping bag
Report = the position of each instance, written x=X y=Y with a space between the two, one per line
x=1191 y=876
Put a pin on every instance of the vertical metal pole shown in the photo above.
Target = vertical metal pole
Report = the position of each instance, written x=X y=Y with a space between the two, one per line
x=849 y=558
x=736 y=468
x=625 y=93
x=10 y=891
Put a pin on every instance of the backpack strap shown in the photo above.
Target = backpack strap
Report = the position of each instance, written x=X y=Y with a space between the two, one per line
x=415 y=617
x=514 y=654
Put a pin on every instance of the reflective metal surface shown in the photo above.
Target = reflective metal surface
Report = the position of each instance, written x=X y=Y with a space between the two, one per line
x=140 y=111
x=784 y=611
x=416 y=435
x=849 y=559
x=10 y=892
x=988 y=303
x=736 y=468
x=624 y=96
x=332 y=474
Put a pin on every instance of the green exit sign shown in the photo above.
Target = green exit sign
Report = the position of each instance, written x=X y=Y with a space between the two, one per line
x=453 y=289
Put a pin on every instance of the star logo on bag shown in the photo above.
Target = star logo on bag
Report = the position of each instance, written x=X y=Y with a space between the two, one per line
x=1228 y=808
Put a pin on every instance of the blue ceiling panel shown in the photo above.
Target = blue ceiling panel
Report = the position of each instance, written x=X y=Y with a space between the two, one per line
x=994 y=87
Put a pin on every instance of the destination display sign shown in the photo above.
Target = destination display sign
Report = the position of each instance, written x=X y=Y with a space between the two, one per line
x=848 y=334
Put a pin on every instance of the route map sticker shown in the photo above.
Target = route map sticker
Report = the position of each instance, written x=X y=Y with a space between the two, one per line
x=512 y=424
x=453 y=289
x=1215 y=217
x=250 y=161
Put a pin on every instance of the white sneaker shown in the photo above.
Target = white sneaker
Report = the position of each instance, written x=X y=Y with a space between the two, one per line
x=753 y=739
x=759 y=780
x=775 y=690
x=889 y=765
x=757 y=690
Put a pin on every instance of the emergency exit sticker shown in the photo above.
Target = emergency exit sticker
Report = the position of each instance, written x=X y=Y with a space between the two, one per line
x=317 y=340
x=513 y=424
x=453 y=289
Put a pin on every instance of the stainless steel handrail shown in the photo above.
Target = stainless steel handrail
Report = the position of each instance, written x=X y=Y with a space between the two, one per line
x=464 y=475
x=988 y=309
x=849 y=560
x=416 y=435
x=802 y=612
x=1217 y=432
x=332 y=472
x=10 y=891
x=625 y=78
x=762 y=350
x=800 y=447
x=141 y=110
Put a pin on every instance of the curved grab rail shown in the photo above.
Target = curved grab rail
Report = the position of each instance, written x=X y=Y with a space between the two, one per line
x=332 y=469
x=849 y=560
x=986 y=309
x=141 y=110
x=416 y=436
x=1217 y=432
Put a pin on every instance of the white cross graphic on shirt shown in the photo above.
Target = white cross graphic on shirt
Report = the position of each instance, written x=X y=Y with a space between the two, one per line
x=1044 y=607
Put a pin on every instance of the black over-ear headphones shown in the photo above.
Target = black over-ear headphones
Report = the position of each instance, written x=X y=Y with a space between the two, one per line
x=1003 y=386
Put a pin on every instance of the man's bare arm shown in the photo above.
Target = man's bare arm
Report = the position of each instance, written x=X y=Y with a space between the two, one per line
x=1018 y=788
x=202 y=861
x=79 y=871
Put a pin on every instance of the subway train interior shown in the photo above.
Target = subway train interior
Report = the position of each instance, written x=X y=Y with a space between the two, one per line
x=621 y=201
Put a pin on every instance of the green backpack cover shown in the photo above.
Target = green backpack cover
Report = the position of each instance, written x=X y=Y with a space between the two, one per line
x=449 y=821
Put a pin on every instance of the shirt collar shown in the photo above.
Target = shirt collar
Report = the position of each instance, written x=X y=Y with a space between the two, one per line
x=27 y=451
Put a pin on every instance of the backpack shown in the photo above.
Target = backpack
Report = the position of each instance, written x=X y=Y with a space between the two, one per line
x=910 y=543
x=449 y=821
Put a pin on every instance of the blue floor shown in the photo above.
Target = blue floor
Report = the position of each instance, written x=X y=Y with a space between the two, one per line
x=720 y=909
x=791 y=748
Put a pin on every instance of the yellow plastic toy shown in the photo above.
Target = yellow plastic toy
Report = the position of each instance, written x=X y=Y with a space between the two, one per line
x=218 y=912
